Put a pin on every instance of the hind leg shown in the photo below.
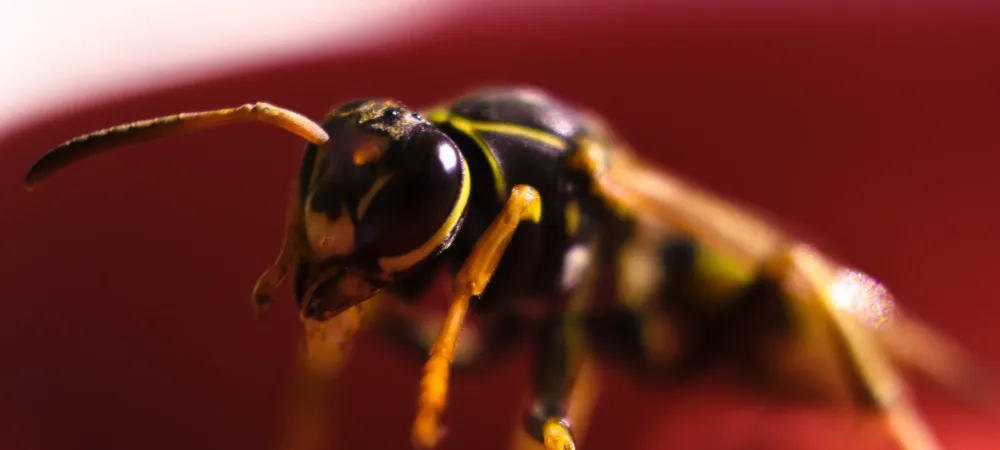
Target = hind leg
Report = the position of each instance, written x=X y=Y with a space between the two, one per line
x=819 y=350
x=910 y=342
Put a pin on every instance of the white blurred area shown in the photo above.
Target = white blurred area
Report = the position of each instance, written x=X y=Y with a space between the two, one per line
x=58 y=54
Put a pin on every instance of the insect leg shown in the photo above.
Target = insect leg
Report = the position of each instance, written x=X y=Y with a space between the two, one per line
x=823 y=330
x=645 y=269
x=327 y=345
x=579 y=409
x=909 y=341
x=583 y=397
x=274 y=275
x=524 y=204
x=558 y=363
x=406 y=321
x=632 y=186
x=558 y=385
x=415 y=331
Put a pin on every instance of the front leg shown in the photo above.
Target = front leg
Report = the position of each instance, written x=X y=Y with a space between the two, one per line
x=406 y=321
x=524 y=204
x=415 y=331
x=289 y=252
x=327 y=345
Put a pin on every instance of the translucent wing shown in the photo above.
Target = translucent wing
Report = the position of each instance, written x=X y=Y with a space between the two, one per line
x=654 y=194
x=906 y=338
x=826 y=295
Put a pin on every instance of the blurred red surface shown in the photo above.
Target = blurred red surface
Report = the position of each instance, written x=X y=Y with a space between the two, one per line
x=126 y=319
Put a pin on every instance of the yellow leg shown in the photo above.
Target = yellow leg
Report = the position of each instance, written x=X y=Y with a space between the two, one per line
x=822 y=328
x=327 y=345
x=524 y=204
x=582 y=399
x=633 y=186
x=273 y=276
x=557 y=436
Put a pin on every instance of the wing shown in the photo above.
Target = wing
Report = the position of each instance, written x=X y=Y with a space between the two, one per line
x=873 y=338
x=809 y=278
x=907 y=339
x=654 y=194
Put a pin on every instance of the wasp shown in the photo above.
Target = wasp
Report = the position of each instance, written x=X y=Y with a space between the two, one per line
x=521 y=198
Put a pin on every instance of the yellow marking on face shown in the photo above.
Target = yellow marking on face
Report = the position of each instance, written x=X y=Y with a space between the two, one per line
x=472 y=129
x=366 y=200
x=408 y=259
x=572 y=218
x=329 y=237
x=366 y=154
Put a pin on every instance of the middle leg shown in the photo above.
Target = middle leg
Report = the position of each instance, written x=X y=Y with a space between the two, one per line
x=563 y=373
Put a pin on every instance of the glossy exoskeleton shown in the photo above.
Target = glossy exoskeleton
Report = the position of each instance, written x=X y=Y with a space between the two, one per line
x=527 y=203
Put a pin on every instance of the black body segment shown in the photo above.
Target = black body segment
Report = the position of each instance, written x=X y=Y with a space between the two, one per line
x=384 y=166
x=514 y=136
x=543 y=217
x=522 y=106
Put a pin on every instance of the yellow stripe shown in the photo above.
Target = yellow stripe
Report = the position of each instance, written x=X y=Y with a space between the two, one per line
x=407 y=260
x=517 y=130
x=437 y=115
x=472 y=128
x=572 y=218
x=500 y=182
x=717 y=276
x=367 y=198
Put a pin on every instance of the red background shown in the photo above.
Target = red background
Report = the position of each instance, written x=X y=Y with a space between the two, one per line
x=126 y=320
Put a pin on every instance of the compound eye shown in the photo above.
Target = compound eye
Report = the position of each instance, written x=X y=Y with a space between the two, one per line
x=401 y=216
x=416 y=209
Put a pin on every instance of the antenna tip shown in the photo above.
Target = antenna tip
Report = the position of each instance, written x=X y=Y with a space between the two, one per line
x=31 y=183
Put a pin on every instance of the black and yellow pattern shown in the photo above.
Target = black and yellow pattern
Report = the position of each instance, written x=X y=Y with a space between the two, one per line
x=519 y=197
